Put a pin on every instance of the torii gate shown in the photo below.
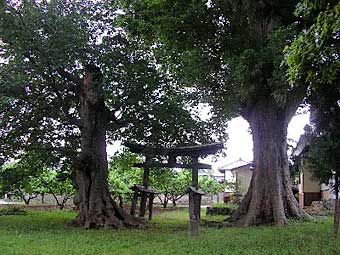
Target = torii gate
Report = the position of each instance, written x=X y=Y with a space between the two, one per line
x=172 y=153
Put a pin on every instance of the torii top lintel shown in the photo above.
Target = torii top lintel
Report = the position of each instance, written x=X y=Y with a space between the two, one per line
x=196 y=150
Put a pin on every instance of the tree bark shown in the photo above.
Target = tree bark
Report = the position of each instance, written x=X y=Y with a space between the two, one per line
x=174 y=203
x=336 y=207
x=270 y=198
x=165 y=202
x=26 y=201
x=95 y=206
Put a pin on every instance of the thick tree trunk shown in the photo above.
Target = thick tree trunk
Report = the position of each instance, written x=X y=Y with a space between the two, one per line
x=270 y=198
x=93 y=201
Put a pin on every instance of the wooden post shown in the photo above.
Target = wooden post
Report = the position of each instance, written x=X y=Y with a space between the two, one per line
x=194 y=200
x=151 y=197
x=194 y=177
x=146 y=185
x=193 y=224
x=134 y=202
x=142 y=208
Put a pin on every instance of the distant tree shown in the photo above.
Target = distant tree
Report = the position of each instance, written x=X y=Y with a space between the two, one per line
x=56 y=183
x=210 y=185
x=122 y=175
x=19 y=178
x=19 y=182
x=37 y=174
x=172 y=184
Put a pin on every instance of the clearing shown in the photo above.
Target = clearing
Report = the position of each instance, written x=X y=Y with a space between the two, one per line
x=44 y=232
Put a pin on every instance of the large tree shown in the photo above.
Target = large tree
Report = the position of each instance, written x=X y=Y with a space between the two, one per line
x=70 y=80
x=233 y=51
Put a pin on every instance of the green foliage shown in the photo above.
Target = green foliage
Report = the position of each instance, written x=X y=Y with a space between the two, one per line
x=171 y=183
x=45 y=46
x=36 y=173
x=322 y=160
x=224 y=205
x=122 y=174
x=325 y=142
x=314 y=54
x=19 y=180
x=56 y=183
x=210 y=185
x=314 y=57
x=230 y=50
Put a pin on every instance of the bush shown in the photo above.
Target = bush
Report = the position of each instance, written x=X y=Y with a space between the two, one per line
x=11 y=210
x=224 y=205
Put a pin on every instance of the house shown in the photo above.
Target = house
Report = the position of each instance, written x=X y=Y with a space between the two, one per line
x=309 y=188
x=212 y=173
x=241 y=172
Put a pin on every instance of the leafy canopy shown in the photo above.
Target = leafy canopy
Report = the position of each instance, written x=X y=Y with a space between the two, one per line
x=45 y=47
x=314 y=54
x=232 y=50
x=36 y=173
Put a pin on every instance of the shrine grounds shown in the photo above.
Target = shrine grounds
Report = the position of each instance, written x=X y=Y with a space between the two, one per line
x=44 y=233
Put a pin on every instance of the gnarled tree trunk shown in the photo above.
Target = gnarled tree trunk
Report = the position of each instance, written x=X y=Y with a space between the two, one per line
x=270 y=197
x=95 y=206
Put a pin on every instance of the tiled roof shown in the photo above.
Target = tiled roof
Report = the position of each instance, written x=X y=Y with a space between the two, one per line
x=234 y=165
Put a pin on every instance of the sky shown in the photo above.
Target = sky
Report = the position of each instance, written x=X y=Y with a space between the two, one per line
x=239 y=144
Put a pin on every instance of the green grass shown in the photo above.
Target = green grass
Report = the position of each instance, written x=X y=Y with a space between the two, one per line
x=44 y=232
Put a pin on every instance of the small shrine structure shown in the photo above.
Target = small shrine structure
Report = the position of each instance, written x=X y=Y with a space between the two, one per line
x=171 y=154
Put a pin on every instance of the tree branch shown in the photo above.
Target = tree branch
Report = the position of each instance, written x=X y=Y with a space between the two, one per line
x=112 y=117
x=75 y=79
x=62 y=149
x=295 y=99
x=73 y=120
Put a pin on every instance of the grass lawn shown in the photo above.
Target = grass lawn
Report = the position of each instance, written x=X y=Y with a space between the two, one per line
x=44 y=232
